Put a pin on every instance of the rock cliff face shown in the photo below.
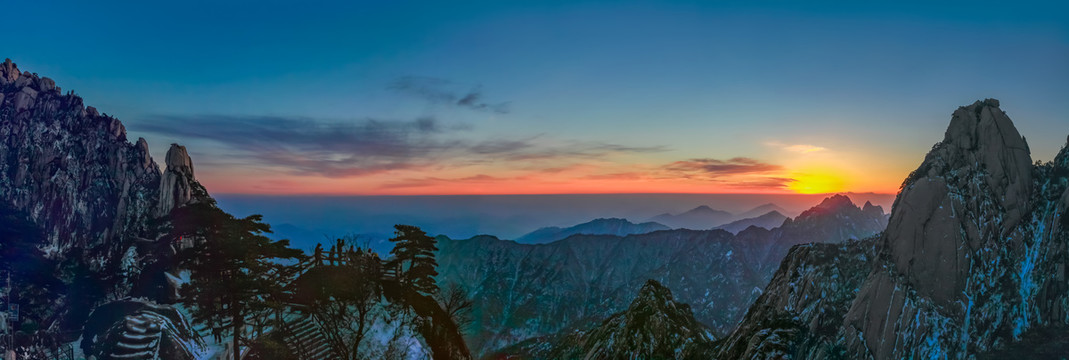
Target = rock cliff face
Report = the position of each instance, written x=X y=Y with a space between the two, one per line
x=524 y=291
x=93 y=194
x=973 y=257
x=72 y=169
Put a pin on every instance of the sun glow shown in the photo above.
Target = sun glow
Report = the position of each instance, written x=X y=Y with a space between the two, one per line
x=817 y=182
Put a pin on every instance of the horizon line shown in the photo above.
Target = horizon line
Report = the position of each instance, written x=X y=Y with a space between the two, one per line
x=547 y=194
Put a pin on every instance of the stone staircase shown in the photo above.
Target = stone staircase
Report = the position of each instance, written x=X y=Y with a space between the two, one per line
x=307 y=340
x=140 y=339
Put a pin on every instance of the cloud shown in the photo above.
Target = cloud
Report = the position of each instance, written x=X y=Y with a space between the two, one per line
x=715 y=167
x=431 y=181
x=443 y=91
x=798 y=148
x=303 y=146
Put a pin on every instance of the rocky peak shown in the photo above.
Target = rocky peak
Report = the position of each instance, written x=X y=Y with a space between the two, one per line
x=830 y=205
x=980 y=169
x=652 y=294
x=655 y=326
x=872 y=209
x=8 y=72
x=178 y=186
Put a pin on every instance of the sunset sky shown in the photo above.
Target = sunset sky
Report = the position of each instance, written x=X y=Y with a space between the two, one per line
x=505 y=97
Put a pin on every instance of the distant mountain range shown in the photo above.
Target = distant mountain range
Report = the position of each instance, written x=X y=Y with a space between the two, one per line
x=770 y=220
x=522 y=291
x=603 y=226
x=704 y=217
x=699 y=218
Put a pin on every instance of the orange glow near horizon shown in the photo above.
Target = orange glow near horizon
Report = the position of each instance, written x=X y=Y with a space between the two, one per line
x=809 y=182
x=792 y=172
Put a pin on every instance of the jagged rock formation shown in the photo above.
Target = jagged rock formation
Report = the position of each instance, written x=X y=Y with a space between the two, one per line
x=972 y=260
x=93 y=194
x=178 y=186
x=654 y=326
x=523 y=291
x=612 y=226
x=72 y=169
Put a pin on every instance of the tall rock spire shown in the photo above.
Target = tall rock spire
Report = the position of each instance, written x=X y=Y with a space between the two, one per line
x=177 y=184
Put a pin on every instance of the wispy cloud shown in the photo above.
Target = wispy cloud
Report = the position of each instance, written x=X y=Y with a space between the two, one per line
x=445 y=92
x=797 y=148
x=363 y=147
x=716 y=167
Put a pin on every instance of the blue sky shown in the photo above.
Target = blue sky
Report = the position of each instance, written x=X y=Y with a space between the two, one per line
x=553 y=96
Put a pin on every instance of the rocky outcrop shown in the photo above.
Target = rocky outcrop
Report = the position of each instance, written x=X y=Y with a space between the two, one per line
x=981 y=170
x=178 y=186
x=973 y=258
x=654 y=326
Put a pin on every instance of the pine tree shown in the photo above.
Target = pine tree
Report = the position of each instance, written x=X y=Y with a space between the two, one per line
x=341 y=298
x=416 y=250
x=234 y=267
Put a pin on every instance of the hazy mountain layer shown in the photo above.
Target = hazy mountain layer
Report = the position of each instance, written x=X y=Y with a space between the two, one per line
x=772 y=219
x=612 y=226
x=699 y=218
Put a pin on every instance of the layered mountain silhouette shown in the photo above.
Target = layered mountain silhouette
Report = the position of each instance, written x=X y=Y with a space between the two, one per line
x=972 y=263
x=704 y=217
x=603 y=226
x=700 y=218
x=762 y=209
x=770 y=220
x=524 y=291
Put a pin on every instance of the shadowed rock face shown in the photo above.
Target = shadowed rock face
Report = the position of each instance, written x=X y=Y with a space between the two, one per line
x=72 y=169
x=92 y=192
x=974 y=257
x=982 y=166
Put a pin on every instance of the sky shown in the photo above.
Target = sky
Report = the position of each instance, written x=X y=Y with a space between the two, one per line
x=512 y=97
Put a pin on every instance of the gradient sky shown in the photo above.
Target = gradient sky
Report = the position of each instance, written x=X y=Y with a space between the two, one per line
x=505 y=97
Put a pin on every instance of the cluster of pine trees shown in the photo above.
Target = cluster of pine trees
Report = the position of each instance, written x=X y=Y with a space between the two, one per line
x=245 y=286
